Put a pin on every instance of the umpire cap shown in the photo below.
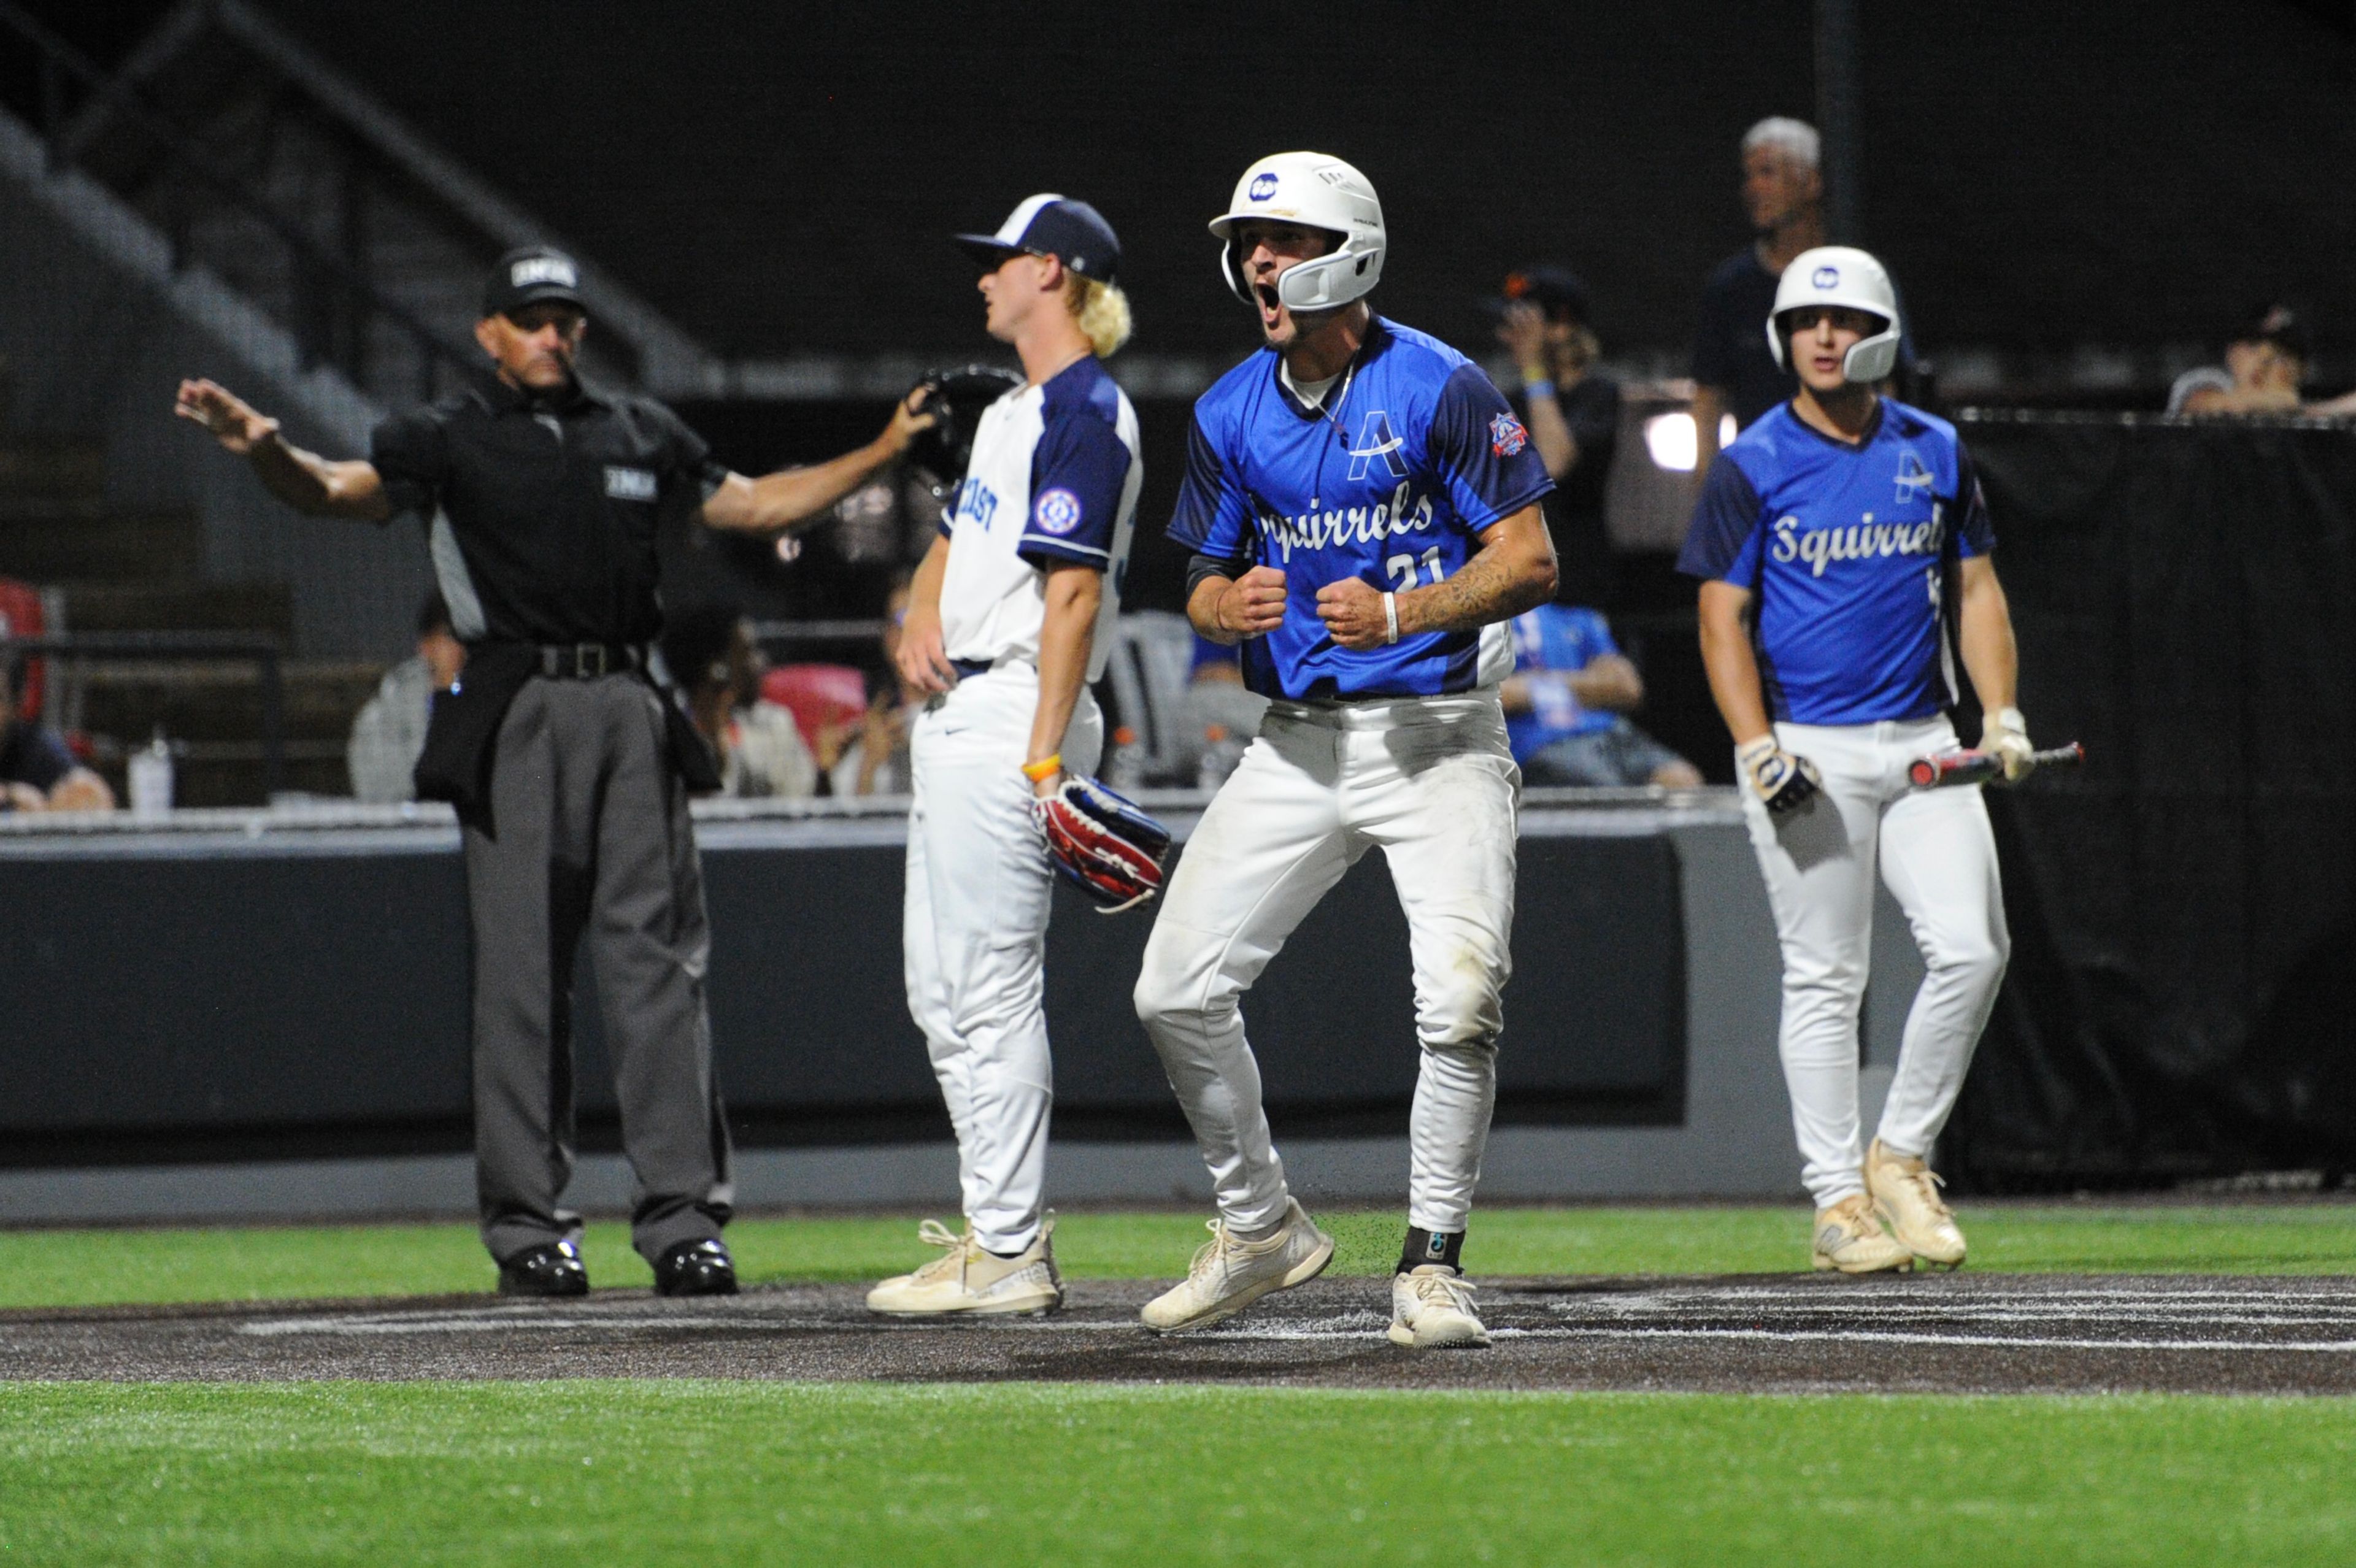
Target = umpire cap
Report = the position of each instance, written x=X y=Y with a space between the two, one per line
x=528 y=275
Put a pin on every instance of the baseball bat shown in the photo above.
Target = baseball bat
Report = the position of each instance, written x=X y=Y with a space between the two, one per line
x=1973 y=767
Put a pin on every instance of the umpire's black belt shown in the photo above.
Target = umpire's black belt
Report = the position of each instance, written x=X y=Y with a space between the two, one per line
x=587 y=661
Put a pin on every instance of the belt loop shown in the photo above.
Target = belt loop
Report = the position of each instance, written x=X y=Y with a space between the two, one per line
x=589 y=660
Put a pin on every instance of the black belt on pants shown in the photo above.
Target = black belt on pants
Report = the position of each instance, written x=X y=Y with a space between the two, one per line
x=971 y=666
x=587 y=661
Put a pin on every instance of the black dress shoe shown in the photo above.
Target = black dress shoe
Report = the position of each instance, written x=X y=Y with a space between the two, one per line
x=696 y=1268
x=552 y=1268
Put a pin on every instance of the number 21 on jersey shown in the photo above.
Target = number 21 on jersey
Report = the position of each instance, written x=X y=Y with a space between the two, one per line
x=1402 y=568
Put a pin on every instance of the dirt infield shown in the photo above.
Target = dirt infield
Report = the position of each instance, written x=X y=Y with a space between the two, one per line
x=1957 y=1333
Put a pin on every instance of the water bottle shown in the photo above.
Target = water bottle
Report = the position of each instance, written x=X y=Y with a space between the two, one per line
x=1124 y=767
x=1220 y=754
x=151 y=777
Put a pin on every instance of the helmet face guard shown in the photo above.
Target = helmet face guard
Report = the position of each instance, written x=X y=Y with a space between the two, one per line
x=1844 y=276
x=1316 y=192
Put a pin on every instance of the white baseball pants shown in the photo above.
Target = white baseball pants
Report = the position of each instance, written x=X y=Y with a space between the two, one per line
x=1433 y=781
x=975 y=936
x=1934 y=851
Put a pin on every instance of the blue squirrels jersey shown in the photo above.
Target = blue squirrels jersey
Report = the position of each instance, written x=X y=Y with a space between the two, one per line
x=1845 y=549
x=1415 y=454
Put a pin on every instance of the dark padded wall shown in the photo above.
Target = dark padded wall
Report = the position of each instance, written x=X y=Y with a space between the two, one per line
x=316 y=1002
x=2183 y=983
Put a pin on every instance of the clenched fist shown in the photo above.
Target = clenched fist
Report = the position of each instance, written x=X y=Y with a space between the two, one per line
x=1353 y=612
x=1253 y=604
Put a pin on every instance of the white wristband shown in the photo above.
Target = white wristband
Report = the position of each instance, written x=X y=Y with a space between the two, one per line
x=1390 y=617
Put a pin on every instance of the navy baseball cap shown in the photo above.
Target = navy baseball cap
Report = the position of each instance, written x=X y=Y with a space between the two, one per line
x=527 y=275
x=1049 y=225
x=1555 y=290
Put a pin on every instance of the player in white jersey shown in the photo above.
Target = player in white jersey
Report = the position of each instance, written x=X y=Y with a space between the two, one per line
x=1363 y=510
x=1006 y=627
x=1839 y=539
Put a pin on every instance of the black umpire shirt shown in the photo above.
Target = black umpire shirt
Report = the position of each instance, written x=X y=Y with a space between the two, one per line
x=555 y=503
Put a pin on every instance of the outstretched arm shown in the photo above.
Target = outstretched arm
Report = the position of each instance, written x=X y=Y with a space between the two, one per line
x=305 y=481
x=1514 y=570
x=793 y=496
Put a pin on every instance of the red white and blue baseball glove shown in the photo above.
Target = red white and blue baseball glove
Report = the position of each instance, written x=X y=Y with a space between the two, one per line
x=1102 y=844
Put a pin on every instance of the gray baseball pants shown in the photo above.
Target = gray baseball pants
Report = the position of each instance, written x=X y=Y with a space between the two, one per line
x=589 y=835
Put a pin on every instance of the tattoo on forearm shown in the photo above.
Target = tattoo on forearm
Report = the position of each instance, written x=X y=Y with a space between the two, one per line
x=1486 y=590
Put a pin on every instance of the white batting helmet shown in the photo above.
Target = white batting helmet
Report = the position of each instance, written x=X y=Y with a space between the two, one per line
x=1319 y=192
x=1841 y=275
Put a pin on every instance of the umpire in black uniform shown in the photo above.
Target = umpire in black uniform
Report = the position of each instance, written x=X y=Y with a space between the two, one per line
x=567 y=757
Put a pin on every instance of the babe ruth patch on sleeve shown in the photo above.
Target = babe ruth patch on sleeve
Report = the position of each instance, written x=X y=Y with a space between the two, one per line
x=1057 y=511
x=1506 y=436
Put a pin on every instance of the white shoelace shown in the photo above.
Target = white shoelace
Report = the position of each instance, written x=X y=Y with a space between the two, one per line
x=1450 y=1290
x=933 y=1234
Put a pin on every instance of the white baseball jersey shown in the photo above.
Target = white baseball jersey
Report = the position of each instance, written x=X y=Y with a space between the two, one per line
x=1054 y=478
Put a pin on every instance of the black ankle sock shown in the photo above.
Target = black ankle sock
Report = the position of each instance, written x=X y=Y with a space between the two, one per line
x=1444 y=1247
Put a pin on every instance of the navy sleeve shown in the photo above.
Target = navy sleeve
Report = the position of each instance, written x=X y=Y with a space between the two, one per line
x=688 y=474
x=1975 y=534
x=1214 y=516
x=411 y=452
x=1482 y=452
x=1077 y=473
x=1725 y=523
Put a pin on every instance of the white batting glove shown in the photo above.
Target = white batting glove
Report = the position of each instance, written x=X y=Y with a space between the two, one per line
x=2006 y=733
x=1784 y=782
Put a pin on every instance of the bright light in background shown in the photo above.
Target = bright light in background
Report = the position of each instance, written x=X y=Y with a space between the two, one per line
x=1670 y=439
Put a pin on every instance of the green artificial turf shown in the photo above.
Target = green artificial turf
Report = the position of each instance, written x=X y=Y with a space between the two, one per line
x=595 y=1472
x=45 y=1268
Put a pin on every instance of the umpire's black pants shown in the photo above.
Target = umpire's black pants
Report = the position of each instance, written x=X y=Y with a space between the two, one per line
x=589 y=831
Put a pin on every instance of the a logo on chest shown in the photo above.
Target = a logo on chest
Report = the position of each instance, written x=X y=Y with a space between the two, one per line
x=1378 y=444
x=976 y=502
x=1341 y=527
x=1914 y=481
x=1820 y=547
x=624 y=483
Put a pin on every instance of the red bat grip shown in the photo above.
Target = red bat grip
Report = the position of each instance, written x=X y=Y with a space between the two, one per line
x=1972 y=767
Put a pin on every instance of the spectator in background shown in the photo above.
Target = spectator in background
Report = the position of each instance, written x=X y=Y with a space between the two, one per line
x=710 y=653
x=390 y=731
x=1572 y=412
x=875 y=760
x=37 y=772
x=2264 y=363
x=1567 y=704
x=1733 y=370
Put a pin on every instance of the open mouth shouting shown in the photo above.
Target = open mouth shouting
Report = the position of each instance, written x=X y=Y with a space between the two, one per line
x=1271 y=307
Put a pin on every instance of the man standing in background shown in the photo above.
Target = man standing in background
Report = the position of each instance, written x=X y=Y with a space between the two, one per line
x=1733 y=370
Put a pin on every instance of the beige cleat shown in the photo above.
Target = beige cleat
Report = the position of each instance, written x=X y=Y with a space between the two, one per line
x=1432 y=1307
x=968 y=1280
x=1906 y=1192
x=1850 y=1239
x=1229 y=1275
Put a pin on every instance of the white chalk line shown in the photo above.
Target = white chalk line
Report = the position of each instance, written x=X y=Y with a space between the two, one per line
x=1298 y=1332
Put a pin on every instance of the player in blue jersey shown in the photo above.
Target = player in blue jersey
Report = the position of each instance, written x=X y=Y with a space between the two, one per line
x=1836 y=538
x=1363 y=510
